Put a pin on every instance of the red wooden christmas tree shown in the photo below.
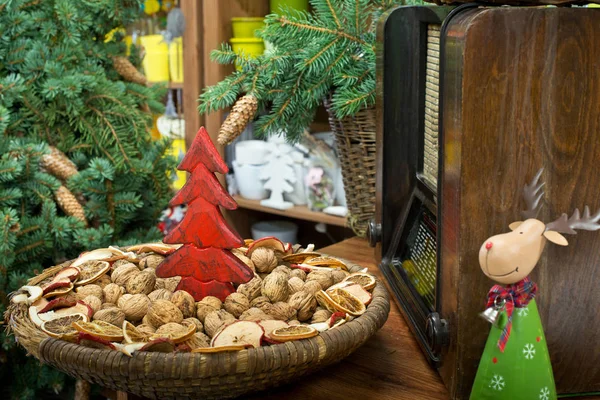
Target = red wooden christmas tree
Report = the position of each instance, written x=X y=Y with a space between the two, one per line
x=204 y=262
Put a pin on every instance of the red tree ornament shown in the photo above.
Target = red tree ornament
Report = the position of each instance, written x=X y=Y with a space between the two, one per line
x=206 y=265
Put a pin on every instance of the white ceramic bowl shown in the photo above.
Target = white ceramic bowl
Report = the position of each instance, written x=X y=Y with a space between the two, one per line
x=285 y=231
x=248 y=182
x=251 y=152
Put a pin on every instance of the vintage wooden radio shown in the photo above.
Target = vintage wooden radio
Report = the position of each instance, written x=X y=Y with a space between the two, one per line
x=473 y=101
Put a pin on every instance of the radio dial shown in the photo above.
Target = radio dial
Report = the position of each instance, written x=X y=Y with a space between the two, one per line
x=437 y=333
x=373 y=233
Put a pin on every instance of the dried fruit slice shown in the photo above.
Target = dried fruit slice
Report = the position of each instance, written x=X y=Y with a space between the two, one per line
x=59 y=302
x=87 y=340
x=176 y=332
x=239 y=333
x=63 y=326
x=70 y=273
x=354 y=289
x=247 y=242
x=53 y=285
x=94 y=255
x=79 y=308
x=220 y=349
x=326 y=261
x=269 y=325
x=299 y=258
x=270 y=242
x=34 y=293
x=367 y=281
x=100 y=329
x=340 y=300
x=33 y=316
x=295 y=332
x=91 y=271
x=160 y=345
x=133 y=335
x=128 y=349
x=158 y=248
x=63 y=288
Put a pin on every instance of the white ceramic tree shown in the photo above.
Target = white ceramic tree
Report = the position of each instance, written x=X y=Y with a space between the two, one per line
x=279 y=174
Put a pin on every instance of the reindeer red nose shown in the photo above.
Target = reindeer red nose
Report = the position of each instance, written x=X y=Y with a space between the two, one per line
x=488 y=245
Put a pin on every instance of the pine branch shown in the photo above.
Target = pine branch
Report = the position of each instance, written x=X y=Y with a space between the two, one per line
x=300 y=26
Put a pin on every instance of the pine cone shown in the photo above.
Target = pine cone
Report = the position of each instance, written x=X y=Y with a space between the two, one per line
x=128 y=71
x=242 y=112
x=58 y=164
x=69 y=204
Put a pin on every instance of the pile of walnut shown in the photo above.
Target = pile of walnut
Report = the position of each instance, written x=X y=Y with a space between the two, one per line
x=112 y=298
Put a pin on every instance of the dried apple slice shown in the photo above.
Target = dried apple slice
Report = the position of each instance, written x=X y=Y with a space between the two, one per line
x=91 y=271
x=367 y=281
x=158 y=248
x=354 y=289
x=100 y=329
x=176 y=332
x=63 y=326
x=128 y=349
x=295 y=332
x=239 y=333
x=299 y=258
x=220 y=349
x=34 y=293
x=94 y=255
x=247 y=242
x=70 y=273
x=269 y=325
x=270 y=242
x=59 y=302
x=309 y=268
x=133 y=335
x=33 y=316
x=160 y=345
x=79 y=308
x=58 y=288
x=95 y=342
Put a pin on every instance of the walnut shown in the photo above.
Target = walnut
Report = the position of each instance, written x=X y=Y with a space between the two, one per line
x=108 y=305
x=294 y=322
x=284 y=270
x=275 y=287
x=323 y=277
x=151 y=261
x=312 y=287
x=123 y=299
x=251 y=289
x=112 y=292
x=134 y=307
x=162 y=312
x=103 y=281
x=123 y=273
x=239 y=254
x=254 y=314
x=185 y=302
x=111 y=315
x=160 y=294
x=141 y=283
x=259 y=301
x=321 y=315
x=146 y=321
x=236 y=304
x=263 y=276
x=282 y=311
x=171 y=283
x=207 y=305
x=295 y=285
x=145 y=328
x=305 y=303
x=215 y=320
x=193 y=321
x=298 y=273
x=264 y=259
x=150 y=271
x=87 y=290
x=94 y=302
x=198 y=340
x=118 y=263
x=171 y=328
x=159 y=284
x=338 y=275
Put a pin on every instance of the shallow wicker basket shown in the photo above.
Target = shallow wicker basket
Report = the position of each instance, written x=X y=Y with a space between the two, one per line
x=201 y=376
x=355 y=138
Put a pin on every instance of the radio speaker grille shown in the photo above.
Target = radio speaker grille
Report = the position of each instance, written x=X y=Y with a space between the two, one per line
x=432 y=96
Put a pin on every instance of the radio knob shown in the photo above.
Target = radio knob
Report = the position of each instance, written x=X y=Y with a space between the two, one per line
x=437 y=333
x=373 y=233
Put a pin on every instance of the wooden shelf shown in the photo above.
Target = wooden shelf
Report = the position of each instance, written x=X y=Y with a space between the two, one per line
x=298 y=212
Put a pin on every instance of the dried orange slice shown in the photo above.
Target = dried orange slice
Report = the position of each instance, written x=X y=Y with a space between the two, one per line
x=325 y=261
x=62 y=327
x=294 y=332
x=367 y=281
x=91 y=271
x=176 y=332
x=100 y=329
x=340 y=300
x=131 y=334
x=299 y=258
x=220 y=349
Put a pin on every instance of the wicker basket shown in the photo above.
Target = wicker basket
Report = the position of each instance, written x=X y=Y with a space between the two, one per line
x=355 y=137
x=194 y=375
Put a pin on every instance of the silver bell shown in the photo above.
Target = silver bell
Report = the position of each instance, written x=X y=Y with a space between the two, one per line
x=492 y=314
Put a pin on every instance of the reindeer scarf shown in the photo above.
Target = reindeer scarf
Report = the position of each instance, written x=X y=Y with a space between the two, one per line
x=517 y=295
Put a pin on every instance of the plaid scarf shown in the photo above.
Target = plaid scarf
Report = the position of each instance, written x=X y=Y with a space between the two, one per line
x=518 y=295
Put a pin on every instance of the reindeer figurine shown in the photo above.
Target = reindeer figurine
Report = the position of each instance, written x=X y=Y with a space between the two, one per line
x=515 y=364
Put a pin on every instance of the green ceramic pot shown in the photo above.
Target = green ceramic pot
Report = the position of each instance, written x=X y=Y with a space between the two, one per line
x=246 y=27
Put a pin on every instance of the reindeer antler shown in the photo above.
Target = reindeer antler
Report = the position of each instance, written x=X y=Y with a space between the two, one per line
x=532 y=194
x=564 y=224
